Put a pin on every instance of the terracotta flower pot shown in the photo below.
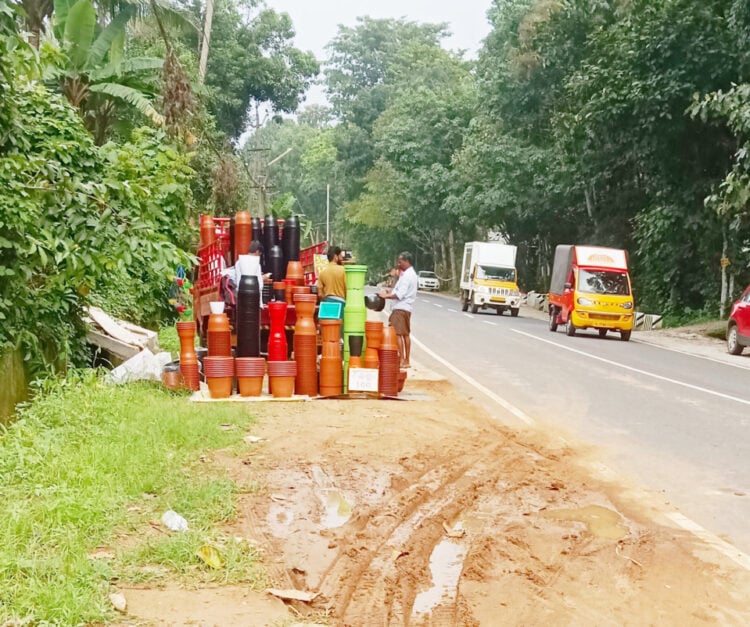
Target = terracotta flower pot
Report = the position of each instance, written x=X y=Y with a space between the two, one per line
x=220 y=387
x=283 y=387
x=389 y=340
x=250 y=386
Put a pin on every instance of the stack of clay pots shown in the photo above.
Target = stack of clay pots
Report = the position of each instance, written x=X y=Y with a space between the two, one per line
x=250 y=373
x=374 y=336
x=281 y=376
x=295 y=272
x=243 y=234
x=306 y=345
x=389 y=363
x=189 y=368
x=219 y=336
x=331 y=374
x=219 y=373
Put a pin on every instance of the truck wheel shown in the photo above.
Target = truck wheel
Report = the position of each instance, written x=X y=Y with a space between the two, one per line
x=553 y=319
x=464 y=301
x=625 y=335
x=514 y=312
x=570 y=328
x=602 y=332
x=474 y=308
x=499 y=311
x=733 y=345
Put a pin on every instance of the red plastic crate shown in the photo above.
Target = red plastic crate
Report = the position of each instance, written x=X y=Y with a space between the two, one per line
x=212 y=259
x=307 y=255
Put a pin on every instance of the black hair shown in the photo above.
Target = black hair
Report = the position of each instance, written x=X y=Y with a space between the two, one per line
x=254 y=246
x=333 y=251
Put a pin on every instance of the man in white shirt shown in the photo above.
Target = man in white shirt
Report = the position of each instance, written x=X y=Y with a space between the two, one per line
x=404 y=293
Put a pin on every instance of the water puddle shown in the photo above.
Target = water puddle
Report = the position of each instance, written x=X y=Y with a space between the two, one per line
x=446 y=563
x=600 y=521
x=337 y=510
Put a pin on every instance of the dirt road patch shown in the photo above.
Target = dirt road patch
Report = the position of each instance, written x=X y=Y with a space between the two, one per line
x=429 y=512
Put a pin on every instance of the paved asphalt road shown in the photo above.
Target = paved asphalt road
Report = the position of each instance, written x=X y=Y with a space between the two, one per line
x=677 y=424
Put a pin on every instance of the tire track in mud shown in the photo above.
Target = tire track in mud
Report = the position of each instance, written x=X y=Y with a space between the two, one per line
x=384 y=554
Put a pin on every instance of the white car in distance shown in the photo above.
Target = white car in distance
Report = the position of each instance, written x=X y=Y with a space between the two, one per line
x=427 y=280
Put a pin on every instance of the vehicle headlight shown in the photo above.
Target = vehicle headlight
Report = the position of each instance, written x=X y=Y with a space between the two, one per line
x=584 y=301
x=626 y=305
x=483 y=289
x=515 y=293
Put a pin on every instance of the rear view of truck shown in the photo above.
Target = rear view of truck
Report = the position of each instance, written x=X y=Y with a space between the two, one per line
x=590 y=289
x=489 y=278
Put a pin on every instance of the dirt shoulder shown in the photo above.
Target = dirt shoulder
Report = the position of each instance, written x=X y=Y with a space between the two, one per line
x=428 y=511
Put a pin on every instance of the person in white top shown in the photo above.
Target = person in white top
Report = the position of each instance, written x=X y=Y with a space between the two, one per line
x=404 y=293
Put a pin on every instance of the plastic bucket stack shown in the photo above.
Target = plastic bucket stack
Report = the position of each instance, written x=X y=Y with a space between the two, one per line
x=331 y=374
x=374 y=336
x=388 y=374
x=189 y=368
x=306 y=345
x=355 y=313
x=248 y=317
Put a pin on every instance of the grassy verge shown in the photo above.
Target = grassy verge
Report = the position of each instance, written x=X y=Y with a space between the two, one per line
x=85 y=471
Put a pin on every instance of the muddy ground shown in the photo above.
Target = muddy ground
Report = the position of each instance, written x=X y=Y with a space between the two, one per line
x=429 y=511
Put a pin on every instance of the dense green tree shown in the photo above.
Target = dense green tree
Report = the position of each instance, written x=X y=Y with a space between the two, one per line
x=252 y=60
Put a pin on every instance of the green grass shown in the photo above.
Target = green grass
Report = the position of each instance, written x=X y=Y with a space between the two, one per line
x=88 y=464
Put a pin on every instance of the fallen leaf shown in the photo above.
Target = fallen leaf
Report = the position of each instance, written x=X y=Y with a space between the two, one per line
x=279 y=497
x=397 y=553
x=227 y=427
x=118 y=602
x=211 y=556
x=293 y=595
x=252 y=439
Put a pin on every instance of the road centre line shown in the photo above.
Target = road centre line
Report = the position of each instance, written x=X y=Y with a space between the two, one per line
x=469 y=316
x=452 y=310
x=494 y=324
x=437 y=305
x=518 y=413
x=637 y=370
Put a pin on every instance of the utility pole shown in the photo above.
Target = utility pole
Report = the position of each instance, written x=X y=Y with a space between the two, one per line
x=205 y=41
x=328 y=213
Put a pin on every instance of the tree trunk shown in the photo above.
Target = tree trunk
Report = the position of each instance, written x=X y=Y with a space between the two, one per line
x=452 y=252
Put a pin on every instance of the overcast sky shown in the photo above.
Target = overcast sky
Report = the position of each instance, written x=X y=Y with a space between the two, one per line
x=316 y=21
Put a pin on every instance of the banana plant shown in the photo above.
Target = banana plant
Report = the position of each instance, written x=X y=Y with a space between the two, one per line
x=95 y=75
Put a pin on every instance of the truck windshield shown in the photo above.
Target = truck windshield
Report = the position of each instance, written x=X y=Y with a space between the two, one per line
x=603 y=282
x=495 y=273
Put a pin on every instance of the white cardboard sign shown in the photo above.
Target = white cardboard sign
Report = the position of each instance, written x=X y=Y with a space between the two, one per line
x=363 y=379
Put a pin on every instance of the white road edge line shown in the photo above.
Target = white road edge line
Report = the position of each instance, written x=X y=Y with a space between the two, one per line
x=437 y=305
x=474 y=383
x=698 y=388
x=682 y=521
x=689 y=354
x=452 y=310
x=494 y=324
x=468 y=315
x=723 y=547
